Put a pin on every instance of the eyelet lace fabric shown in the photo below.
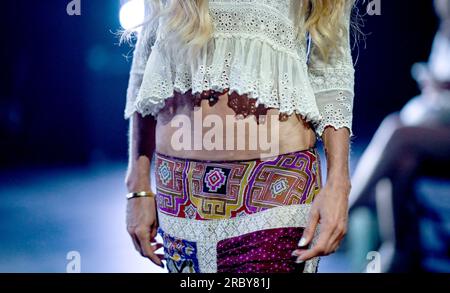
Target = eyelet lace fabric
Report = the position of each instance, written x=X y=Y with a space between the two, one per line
x=337 y=112
x=254 y=53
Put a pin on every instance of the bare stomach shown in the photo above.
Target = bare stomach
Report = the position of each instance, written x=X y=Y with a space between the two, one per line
x=217 y=133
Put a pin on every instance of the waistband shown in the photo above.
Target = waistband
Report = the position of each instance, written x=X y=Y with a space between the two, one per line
x=313 y=150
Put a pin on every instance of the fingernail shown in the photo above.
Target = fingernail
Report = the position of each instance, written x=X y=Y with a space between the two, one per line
x=294 y=253
x=299 y=260
x=302 y=242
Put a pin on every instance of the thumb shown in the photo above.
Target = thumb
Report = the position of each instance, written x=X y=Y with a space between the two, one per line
x=310 y=229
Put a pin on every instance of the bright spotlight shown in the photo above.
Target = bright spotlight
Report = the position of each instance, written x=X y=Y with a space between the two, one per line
x=132 y=14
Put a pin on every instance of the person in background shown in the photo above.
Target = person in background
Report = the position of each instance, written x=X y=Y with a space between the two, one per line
x=410 y=143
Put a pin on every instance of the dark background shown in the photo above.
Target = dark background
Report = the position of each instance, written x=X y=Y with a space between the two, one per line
x=63 y=138
x=64 y=78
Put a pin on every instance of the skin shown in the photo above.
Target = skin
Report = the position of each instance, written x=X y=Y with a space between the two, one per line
x=141 y=218
x=330 y=208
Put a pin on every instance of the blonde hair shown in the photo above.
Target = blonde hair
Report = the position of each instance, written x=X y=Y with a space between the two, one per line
x=327 y=22
x=187 y=26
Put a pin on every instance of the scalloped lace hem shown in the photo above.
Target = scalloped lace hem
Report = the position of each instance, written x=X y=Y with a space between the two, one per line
x=152 y=105
x=243 y=66
x=336 y=125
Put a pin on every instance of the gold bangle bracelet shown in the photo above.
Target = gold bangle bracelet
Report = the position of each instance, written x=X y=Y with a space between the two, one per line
x=140 y=194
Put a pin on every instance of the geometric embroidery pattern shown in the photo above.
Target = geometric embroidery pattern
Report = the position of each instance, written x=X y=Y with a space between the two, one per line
x=205 y=190
x=279 y=186
x=170 y=194
x=201 y=203
x=294 y=179
x=164 y=172
x=190 y=211
x=214 y=179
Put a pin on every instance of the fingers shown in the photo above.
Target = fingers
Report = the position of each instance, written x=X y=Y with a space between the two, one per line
x=142 y=240
x=311 y=227
x=161 y=256
x=147 y=250
x=136 y=243
x=153 y=233
x=328 y=242
x=337 y=237
x=155 y=247
x=319 y=248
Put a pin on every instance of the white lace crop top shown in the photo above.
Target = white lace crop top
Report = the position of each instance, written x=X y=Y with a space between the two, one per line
x=255 y=53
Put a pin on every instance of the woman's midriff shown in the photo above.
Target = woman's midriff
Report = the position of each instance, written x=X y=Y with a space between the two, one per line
x=222 y=126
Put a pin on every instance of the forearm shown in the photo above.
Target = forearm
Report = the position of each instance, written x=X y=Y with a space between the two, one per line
x=330 y=207
x=336 y=144
x=141 y=149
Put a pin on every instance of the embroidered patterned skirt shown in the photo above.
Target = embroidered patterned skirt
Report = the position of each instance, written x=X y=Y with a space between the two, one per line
x=236 y=216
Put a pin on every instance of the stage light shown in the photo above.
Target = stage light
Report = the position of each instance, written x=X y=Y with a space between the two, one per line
x=132 y=14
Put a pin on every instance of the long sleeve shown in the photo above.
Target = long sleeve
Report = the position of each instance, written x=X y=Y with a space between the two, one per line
x=145 y=40
x=333 y=85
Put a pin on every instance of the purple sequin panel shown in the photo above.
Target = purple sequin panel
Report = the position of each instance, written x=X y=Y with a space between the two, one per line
x=265 y=251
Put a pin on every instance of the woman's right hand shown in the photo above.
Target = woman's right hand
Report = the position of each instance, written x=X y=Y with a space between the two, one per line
x=142 y=223
x=142 y=226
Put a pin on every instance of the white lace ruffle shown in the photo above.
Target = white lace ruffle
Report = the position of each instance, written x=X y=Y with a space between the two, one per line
x=242 y=65
x=254 y=51
x=336 y=108
x=333 y=84
x=264 y=21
